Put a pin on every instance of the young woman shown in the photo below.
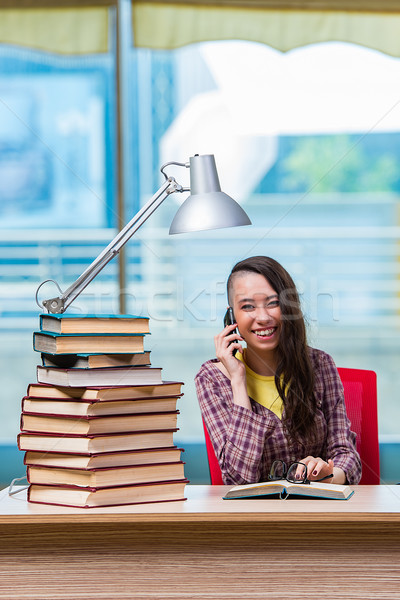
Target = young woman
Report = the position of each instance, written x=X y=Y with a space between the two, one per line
x=276 y=399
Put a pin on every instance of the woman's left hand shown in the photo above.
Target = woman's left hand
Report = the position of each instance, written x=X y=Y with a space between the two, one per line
x=317 y=468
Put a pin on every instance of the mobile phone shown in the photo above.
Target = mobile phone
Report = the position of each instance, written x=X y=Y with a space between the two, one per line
x=229 y=319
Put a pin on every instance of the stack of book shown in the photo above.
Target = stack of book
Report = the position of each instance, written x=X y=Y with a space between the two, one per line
x=97 y=427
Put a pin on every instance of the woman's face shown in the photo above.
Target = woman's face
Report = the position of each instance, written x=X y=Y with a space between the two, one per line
x=257 y=312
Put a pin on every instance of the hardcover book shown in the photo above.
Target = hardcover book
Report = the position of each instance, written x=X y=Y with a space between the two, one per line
x=70 y=323
x=106 y=459
x=95 y=408
x=93 y=361
x=98 y=444
x=108 y=376
x=166 y=388
x=76 y=343
x=283 y=489
x=106 y=477
x=87 y=425
x=113 y=496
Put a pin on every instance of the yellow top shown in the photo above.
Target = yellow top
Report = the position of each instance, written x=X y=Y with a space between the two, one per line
x=262 y=388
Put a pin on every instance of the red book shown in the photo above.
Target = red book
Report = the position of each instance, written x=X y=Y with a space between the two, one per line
x=148 y=456
x=166 y=388
x=167 y=491
x=87 y=425
x=92 y=408
x=95 y=444
x=106 y=477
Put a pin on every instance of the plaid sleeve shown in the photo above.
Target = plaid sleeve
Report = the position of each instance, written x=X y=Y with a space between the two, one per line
x=341 y=441
x=237 y=433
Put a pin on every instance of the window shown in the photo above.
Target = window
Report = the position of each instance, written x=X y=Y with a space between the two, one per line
x=57 y=195
x=308 y=142
x=308 y=147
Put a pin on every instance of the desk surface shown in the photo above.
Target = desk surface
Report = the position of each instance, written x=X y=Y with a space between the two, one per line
x=204 y=547
x=380 y=504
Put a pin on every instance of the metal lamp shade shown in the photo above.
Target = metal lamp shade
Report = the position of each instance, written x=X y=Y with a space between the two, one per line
x=207 y=207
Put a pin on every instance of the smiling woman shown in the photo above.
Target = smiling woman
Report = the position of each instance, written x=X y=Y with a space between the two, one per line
x=257 y=309
x=277 y=399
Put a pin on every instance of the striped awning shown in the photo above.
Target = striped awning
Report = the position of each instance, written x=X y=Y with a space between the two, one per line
x=82 y=26
x=61 y=26
x=282 y=24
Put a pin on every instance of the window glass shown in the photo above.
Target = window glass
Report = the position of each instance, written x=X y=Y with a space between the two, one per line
x=57 y=197
x=307 y=142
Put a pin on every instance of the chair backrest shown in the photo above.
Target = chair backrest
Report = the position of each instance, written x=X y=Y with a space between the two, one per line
x=360 y=395
x=213 y=464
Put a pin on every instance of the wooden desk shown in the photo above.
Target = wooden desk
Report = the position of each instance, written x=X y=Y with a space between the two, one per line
x=204 y=548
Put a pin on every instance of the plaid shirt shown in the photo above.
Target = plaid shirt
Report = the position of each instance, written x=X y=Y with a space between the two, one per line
x=246 y=442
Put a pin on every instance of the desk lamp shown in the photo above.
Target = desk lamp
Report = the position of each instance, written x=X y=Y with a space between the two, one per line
x=207 y=207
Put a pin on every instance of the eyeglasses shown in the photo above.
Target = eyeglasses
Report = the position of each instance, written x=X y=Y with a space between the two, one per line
x=295 y=473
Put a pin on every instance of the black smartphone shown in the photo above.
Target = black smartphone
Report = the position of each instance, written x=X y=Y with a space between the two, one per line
x=229 y=319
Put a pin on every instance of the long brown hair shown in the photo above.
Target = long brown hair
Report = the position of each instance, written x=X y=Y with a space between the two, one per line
x=294 y=377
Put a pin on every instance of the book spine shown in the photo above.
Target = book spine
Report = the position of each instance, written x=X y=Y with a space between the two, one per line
x=34 y=342
x=56 y=326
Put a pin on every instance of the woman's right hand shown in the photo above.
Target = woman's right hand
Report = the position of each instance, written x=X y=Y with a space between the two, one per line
x=225 y=343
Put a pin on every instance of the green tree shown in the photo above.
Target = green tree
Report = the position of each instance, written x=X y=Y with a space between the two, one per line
x=337 y=163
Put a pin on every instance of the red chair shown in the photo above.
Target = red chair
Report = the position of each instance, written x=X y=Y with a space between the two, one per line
x=213 y=464
x=360 y=394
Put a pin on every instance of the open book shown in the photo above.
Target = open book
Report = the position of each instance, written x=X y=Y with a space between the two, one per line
x=285 y=488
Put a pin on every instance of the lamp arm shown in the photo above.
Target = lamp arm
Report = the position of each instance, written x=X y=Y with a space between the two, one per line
x=179 y=164
x=60 y=303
